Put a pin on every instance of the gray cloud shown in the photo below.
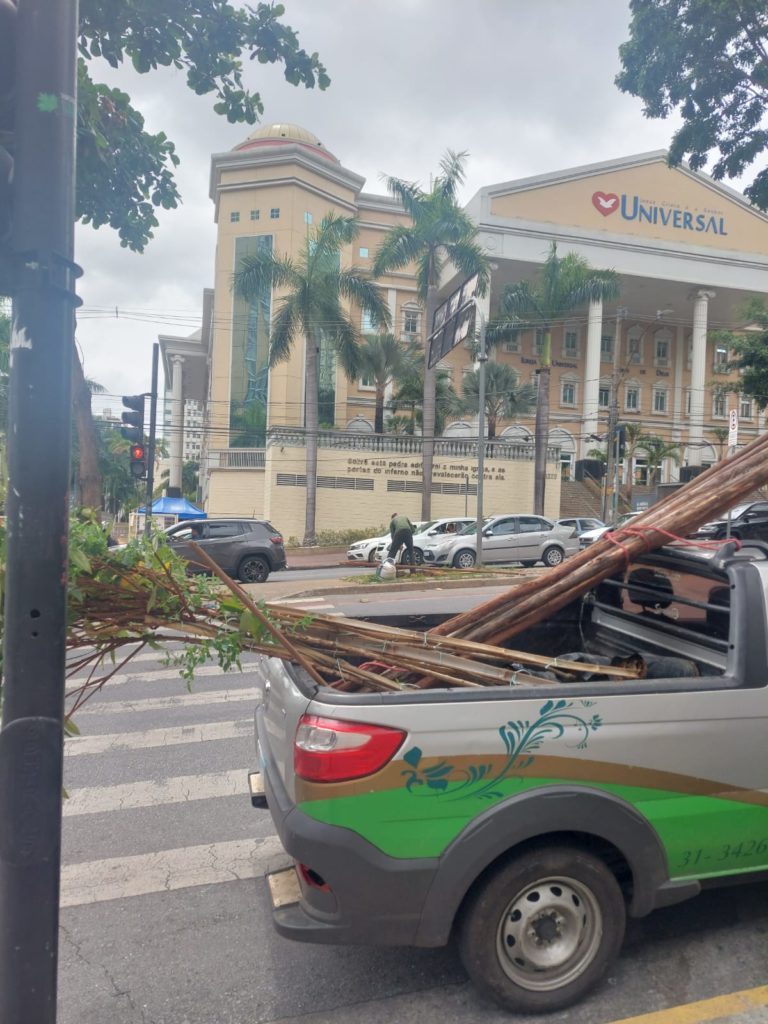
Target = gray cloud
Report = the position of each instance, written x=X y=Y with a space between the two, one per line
x=524 y=87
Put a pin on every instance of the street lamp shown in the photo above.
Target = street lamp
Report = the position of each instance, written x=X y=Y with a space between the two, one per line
x=482 y=358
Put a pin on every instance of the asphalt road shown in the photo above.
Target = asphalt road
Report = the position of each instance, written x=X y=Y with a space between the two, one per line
x=165 y=917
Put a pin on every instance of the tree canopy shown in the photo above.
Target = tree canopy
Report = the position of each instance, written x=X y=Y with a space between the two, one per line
x=124 y=172
x=750 y=354
x=706 y=59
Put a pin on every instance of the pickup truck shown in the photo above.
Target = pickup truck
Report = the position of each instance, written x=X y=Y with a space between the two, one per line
x=529 y=820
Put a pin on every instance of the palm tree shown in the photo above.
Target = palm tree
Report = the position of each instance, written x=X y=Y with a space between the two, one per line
x=721 y=436
x=633 y=435
x=314 y=287
x=440 y=232
x=247 y=425
x=505 y=397
x=562 y=287
x=382 y=361
x=410 y=395
x=657 y=449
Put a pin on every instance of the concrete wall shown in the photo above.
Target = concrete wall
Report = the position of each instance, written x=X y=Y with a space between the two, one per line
x=236 y=492
x=361 y=488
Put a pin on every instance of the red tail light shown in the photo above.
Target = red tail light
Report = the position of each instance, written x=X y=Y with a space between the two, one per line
x=328 y=750
x=276 y=539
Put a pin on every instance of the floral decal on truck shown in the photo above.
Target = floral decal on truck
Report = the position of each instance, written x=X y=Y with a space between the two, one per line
x=520 y=738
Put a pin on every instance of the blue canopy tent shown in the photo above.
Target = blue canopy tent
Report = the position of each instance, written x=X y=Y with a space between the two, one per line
x=179 y=507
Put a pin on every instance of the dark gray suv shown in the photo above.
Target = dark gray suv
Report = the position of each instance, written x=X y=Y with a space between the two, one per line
x=246 y=549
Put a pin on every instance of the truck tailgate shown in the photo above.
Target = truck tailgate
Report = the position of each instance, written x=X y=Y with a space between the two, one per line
x=283 y=703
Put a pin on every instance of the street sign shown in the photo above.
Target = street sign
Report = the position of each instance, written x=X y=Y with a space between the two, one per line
x=453 y=322
x=733 y=428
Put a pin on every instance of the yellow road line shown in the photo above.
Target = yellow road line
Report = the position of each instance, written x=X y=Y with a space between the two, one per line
x=706 y=1009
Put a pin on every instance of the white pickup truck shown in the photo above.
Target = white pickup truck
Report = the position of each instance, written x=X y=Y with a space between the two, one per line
x=531 y=819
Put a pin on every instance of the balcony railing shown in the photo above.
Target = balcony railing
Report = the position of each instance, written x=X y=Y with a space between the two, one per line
x=408 y=444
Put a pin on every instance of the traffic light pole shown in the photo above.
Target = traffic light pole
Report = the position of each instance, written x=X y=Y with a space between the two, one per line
x=42 y=337
x=151 y=446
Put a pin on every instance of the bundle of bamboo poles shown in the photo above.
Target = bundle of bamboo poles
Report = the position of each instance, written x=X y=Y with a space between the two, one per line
x=707 y=496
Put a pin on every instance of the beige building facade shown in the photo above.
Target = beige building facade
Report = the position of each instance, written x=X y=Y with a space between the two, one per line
x=689 y=253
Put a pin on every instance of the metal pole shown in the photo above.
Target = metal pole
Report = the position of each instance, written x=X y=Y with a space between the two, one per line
x=151 y=445
x=612 y=467
x=482 y=358
x=42 y=338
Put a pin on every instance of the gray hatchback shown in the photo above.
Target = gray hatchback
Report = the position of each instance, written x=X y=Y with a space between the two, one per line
x=246 y=549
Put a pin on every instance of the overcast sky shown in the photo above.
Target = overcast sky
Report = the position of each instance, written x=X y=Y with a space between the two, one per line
x=525 y=87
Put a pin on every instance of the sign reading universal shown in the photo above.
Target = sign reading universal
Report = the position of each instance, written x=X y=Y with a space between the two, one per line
x=633 y=208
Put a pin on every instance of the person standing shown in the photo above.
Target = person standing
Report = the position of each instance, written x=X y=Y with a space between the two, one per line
x=401 y=530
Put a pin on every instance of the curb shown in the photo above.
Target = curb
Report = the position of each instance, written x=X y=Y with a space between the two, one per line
x=393 y=588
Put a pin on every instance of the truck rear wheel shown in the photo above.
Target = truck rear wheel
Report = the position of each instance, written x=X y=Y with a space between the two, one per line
x=543 y=929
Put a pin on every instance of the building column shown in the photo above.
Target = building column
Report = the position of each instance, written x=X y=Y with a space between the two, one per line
x=177 y=426
x=698 y=372
x=590 y=404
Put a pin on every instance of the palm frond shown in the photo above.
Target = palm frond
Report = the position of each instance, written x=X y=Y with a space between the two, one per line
x=263 y=270
x=285 y=323
x=469 y=258
x=399 y=247
x=358 y=288
x=453 y=174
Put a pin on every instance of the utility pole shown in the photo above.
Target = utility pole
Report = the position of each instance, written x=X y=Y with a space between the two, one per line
x=610 y=491
x=482 y=358
x=42 y=339
x=151 y=447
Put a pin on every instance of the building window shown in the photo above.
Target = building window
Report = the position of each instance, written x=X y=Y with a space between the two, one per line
x=363 y=252
x=512 y=344
x=255 y=214
x=538 y=342
x=606 y=348
x=571 y=345
x=367 y=383
x=634 y=348
x=688 y=402
x=567 y=393
x=662 y=352
x=659 y=400
x=411 y=321
x=632 y=399
x=366 y=323
x=745 y=408
x=604 y=396
x=308 y=218
x=719 y=404
x=234 y=217
x=274 y=213
x=720 y=364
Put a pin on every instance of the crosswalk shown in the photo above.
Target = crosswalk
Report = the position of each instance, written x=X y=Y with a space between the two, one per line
x=132 y=784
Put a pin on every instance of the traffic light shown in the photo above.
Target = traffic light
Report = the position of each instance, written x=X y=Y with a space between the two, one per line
x=138 y=461
x=134 y=419
x=7 y=78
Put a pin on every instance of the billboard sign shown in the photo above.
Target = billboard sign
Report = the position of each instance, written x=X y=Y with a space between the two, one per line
x=453 y=322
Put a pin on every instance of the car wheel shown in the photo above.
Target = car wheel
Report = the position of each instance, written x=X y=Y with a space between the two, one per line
x=542 y=930
x=418 y=557
x=553 y=556
x=253 y=569
x=464 y=559
x=372 y=556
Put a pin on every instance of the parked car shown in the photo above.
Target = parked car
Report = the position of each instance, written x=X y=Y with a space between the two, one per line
x=365 y=550
x=748 y=522
x=516 y=538
x=581 y=523
x=441 y=528
x=246 y=549
x=590 y=536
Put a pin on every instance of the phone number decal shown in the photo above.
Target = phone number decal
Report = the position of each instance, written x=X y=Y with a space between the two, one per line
x=726 y=852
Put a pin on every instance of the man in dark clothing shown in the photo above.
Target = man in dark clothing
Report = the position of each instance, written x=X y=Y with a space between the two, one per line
x=401 y=531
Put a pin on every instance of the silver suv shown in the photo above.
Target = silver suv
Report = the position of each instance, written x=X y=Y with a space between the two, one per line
x=246 y=549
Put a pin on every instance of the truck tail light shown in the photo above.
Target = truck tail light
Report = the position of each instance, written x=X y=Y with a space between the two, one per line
x=329 y=750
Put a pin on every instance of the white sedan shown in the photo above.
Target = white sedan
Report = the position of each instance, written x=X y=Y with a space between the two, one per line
x=365 y=550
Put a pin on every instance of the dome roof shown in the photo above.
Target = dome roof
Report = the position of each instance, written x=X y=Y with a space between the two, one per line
x=276 y=134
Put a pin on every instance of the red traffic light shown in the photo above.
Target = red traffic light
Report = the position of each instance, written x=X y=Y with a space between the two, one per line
x=137 y=452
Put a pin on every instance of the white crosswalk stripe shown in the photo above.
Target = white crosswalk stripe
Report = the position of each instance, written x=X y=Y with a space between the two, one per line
x=152 y=793
x=176 y=736
x=116 y=707
x=167 y=870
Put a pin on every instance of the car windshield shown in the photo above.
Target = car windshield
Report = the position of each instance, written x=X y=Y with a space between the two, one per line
x=470 y=528
x=422 y=528
x=739 y=510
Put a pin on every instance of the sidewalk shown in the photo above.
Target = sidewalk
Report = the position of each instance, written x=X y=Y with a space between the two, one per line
x=315 y=558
